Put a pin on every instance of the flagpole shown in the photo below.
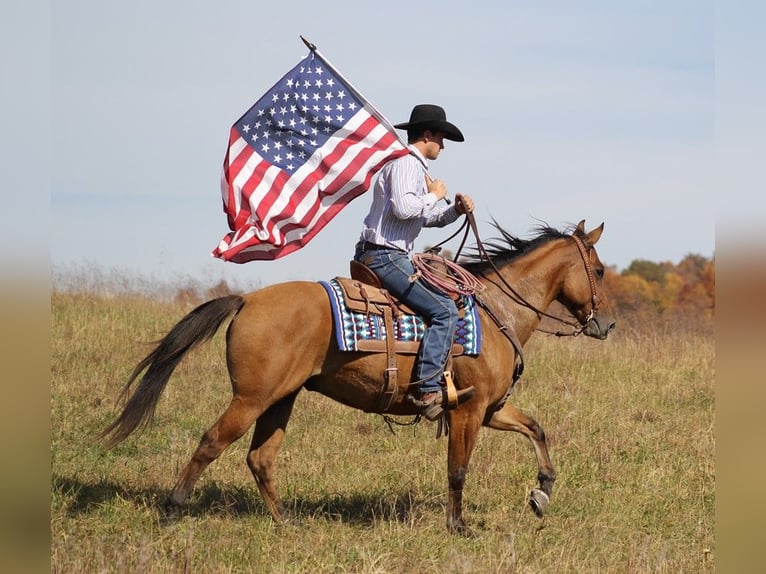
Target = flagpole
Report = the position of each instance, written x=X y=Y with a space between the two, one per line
x=380 y=117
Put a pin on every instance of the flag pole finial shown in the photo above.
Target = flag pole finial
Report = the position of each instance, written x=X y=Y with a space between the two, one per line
x=310 y=46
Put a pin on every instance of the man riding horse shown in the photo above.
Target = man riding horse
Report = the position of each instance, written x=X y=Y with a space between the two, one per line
x=405 y=200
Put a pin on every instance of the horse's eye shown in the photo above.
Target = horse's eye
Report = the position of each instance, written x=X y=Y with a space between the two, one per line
x=600 y=272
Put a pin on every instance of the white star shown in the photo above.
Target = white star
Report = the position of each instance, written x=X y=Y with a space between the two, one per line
x=261 y=112
x=257 y=125
x=277 y=146
x=254 y=137
x=275 y=97
x=277 y=158
x=306 y=83
x=314 y=131
x=292 y=123
x=289 y=156
x=302 y=154
x=328 y=96
x=265 y=148
x=313 y=143
x=290 y=82
x=280 y=124
x=327 y=108
x=290 y=167
x=341 y=94
x=330 y=82
x=316 y=96
x=339 y=107
x=283 y=110
x=328 y=119
x=319 y=70
x=352 y=106
x=339 y=118
x=328 y=129
x=246 y=128
x=272 y=111
x=318 y=83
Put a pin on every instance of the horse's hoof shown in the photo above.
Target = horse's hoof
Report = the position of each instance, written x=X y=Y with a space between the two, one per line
x=170 y=511
x=538 y=501
x=461 y=529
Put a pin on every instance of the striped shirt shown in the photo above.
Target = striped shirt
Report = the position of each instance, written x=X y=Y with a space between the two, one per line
x=402 y=204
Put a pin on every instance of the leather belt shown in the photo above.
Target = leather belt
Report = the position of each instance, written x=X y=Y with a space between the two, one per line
x=367 y=246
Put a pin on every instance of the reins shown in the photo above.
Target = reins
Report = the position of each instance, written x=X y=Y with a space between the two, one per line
x=466 y=284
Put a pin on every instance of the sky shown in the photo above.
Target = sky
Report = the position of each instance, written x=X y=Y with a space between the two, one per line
x=590 y=110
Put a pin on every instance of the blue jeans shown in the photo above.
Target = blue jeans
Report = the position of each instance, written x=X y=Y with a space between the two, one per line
x=394 y=268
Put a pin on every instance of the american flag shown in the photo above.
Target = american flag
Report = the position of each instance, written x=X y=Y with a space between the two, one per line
x=308 y=147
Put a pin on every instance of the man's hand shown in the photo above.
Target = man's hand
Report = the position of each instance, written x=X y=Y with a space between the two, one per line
x=464 y=204
x=438 y=188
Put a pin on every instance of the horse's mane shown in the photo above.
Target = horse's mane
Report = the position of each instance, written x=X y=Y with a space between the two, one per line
x=508 y=246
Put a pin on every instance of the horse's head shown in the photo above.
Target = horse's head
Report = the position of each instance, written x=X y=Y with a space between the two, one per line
x=582 y=292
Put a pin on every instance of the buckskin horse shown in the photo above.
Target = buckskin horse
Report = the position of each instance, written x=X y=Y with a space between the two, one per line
x=270 y=364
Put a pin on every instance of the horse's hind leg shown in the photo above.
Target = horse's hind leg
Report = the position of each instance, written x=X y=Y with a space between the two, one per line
x=232 y=424
x=267 y=438
x=511 y=418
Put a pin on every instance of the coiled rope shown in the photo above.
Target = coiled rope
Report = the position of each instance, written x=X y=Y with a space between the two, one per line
x=445 y=275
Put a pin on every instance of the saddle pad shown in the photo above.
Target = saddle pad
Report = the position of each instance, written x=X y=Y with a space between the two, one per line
x=351 y=327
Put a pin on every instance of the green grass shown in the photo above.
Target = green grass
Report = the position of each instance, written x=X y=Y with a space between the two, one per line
x=629 y=422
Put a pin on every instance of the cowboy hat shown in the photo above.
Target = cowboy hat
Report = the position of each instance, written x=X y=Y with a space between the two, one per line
x=430 y=116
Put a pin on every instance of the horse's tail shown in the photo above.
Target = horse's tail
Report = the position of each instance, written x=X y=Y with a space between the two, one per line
x=197 y=327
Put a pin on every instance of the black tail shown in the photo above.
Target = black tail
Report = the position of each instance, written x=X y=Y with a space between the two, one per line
x=197 y=327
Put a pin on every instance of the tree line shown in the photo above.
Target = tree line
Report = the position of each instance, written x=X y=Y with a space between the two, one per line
x=664 y=289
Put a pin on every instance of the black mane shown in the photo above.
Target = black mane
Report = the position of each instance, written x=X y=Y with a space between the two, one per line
x=508 y=247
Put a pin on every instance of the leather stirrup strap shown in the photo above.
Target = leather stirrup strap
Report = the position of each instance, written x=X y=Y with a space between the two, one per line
x=391 y=378
x=451 y=390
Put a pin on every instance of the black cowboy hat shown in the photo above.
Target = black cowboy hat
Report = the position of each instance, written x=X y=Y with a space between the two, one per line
x=429 y=116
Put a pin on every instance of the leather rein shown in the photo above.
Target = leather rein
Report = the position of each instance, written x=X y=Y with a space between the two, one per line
x=577 y=327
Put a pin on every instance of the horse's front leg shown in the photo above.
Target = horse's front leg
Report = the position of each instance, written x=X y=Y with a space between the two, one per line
x=512 y=419
x=464 y=425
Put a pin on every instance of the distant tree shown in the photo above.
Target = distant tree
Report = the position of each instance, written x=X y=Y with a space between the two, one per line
x=691 y=267
x=647 y=270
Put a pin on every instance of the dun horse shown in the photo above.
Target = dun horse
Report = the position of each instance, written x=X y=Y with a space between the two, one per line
x=281 y=341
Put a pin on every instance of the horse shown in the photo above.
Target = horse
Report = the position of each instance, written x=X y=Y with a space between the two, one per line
x=280 y=340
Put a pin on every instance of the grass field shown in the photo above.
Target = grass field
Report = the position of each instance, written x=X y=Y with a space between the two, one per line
x=630 y=423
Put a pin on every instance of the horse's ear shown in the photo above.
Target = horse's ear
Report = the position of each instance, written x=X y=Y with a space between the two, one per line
x=580 y=229
x=595 y=234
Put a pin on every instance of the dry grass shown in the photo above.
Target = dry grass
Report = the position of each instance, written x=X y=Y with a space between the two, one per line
x=630 y=423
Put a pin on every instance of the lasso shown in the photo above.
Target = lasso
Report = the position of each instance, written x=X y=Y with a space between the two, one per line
x=445 y=275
